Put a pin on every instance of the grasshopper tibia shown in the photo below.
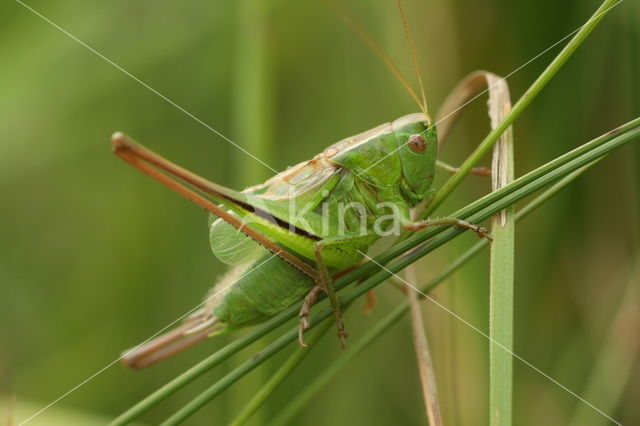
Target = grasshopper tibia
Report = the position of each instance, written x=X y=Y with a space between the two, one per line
x=310 y=299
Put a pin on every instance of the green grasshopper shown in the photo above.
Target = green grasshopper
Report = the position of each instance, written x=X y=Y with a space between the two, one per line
x=388 y=168
x=287 y=237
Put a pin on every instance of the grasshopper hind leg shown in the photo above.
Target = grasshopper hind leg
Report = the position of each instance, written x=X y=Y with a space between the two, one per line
x=324 y=284
x=324 y=280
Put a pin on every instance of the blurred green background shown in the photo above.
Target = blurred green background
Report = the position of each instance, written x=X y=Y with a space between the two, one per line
x=96 y=257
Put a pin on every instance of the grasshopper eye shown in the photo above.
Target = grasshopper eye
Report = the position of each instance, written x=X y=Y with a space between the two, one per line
x=417 y=143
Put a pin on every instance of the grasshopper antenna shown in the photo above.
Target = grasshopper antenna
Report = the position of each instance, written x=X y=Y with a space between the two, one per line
x=369 y=41
x=414 y=58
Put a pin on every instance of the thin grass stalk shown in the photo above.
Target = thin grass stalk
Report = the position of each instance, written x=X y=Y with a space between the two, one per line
x=501 y=268
x=535 y=88
x=510 y=194
x=286 y=415
x=424 y=361
x=501 y=290
x=278 y=377
x=423 y=354
x=436 y=238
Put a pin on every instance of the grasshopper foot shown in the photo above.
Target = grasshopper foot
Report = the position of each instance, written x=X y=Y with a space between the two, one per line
x=302 y=327
x=309 y=300
x=480 y=231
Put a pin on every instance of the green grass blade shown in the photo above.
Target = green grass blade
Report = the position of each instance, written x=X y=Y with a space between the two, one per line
x=424 y=360
x=522 y=103
x=501 y=279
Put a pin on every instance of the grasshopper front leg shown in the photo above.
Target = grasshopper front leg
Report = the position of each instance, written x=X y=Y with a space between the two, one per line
x=478 y=171
x=449 y=221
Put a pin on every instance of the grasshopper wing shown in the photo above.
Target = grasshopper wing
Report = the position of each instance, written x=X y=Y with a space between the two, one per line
x=232 y=246
x=301 y=182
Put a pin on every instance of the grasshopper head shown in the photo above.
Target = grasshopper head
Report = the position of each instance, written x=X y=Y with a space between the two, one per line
x=417 y=142
x=397 y=154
